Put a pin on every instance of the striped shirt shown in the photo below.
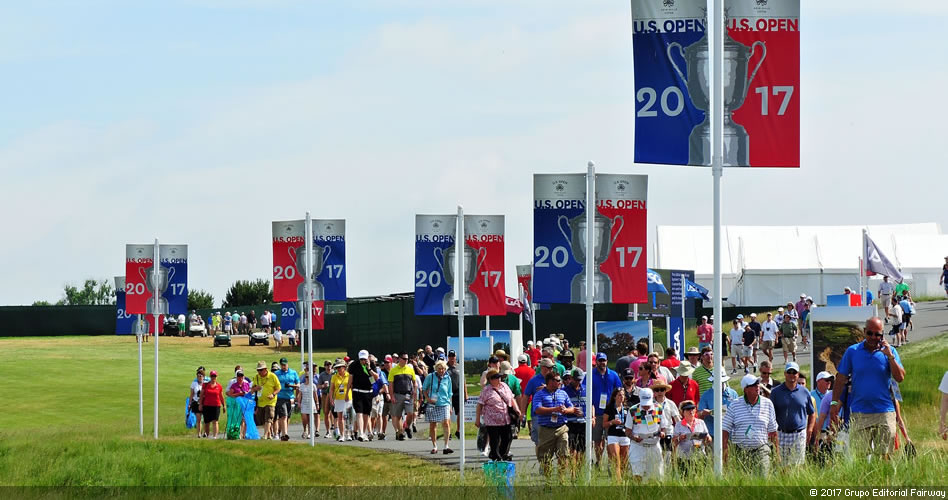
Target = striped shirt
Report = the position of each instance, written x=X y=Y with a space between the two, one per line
x=748 y=425
x=543 y=399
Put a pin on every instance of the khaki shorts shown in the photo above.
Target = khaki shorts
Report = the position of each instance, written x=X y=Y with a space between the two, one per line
x=789 y=345
x=267 y=414
x=872 y=433
x=552 y=442
x=767 y=345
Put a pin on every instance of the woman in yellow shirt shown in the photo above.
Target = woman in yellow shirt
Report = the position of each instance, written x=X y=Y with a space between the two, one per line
x=338 y=387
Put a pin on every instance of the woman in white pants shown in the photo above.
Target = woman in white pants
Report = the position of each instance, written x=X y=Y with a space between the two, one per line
x=644 y=427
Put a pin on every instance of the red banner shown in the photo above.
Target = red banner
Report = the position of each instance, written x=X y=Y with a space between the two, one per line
x=513 y=305
x=621 y=209
x=524 y=276
x=288 y=237
x=484 y=250
x=139 y=260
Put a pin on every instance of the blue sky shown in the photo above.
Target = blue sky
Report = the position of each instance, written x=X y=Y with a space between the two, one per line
x=200 y=122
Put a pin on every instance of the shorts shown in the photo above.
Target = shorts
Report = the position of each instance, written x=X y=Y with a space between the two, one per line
x=267 y=414
x=456 y=405
x=702 y=345
x=211 y=413
x=195 y=407
x=552 y=442
x=597 y=429
x=386 y=407
x=362 y=402
x=576 y=436
x=747 y=351
x=790 y=345
x=737 y=349
x=181 y=327
x=402 y=405
x=339 y=405
x=872 y=433
x=377 y=406
x=436 y=414
x=284 y=407
x=619 y=440
x=767 y=345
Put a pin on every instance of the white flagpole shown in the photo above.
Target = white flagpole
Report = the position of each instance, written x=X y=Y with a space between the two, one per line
x=716 y=30
x=487 y=326
x=308 y=232
x=520 y=318
x=459 y=282
x=533 y=309
x=681 y=339
x=155 y=296
x=141 y=401
x=590 y=297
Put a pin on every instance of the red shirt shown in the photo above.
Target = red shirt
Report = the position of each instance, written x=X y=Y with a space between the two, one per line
x=534 y=356
x=679 y=393
x=212 y=394
x=670 y=363
x=524 y=373
x=705 y=333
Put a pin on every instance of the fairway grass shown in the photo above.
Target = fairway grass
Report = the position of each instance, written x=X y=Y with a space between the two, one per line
x=72 y=420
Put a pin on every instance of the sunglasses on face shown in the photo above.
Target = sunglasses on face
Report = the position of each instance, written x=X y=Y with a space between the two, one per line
x=791 y=372
x=870 y=333
x=557 y=380
x=658 y=390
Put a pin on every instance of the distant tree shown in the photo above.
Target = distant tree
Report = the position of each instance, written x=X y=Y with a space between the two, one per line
x=92 y=293
x=41 y=303
x=199 y=299
x=248 y=293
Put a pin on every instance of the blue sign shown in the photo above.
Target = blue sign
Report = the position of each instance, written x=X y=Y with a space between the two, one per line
x=174 y=258
x=475 y=348
x=330 y=236
x=676 y=335
x=559 y=202
x=434 y=272
x=124 y=322
x=289 y=316
x=676 y=293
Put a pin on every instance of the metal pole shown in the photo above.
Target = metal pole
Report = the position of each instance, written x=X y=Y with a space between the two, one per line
x=155 y=296
x=681 y=339
x=635 y=312
x=533 y=309
x=519 y=319
x=309 y=315
x=717 y=170
x=590 y=297
x=141 y=402
x=487 y=325
x=459 y=257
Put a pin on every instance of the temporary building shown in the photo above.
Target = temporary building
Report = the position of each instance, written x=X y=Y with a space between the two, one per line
x=770 y=265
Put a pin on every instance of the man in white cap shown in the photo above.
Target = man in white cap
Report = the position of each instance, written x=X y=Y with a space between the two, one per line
x=758 y=333
x=824 y=381
x=802 y=303
x=533 y=353
x=797 y=415
x=644 y=426
x=706 y=409
x=750 y=423
x=361 y=379
x=768 y=337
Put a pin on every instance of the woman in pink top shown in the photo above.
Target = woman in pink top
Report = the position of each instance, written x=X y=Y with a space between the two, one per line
x=212 y=400
x=492 y=406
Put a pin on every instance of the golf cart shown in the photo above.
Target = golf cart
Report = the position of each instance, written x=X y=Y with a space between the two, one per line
x=259 y=337
x=222 y=338
x=197 y=327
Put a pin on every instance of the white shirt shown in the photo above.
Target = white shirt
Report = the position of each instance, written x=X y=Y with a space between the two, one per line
x=670 y=416
x=943 y=387
x=687 y=447
x=747 y=425
x=196 y=389
x=886 y=288
x=737 y=336
x=181 y=319
x=769 y=330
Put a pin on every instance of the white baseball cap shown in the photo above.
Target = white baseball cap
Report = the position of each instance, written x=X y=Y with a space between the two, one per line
x=749 y=380
x=780 y=309
x=645 y=397
x=802 y=295
x=522 y=358
x=363 y=354
x=823 y=375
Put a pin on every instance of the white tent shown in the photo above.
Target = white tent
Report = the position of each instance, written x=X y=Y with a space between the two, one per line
x=770 y=265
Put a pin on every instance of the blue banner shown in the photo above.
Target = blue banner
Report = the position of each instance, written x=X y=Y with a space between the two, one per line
x=124 y=322
x=330 y=236
x=676 y=292
x=435 y=264
x=559 y=202
x=174 y=258
x=289 y=316
x=676 y=335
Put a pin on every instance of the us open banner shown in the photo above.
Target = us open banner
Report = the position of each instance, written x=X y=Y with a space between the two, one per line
x=484 y=265
x=174 y=259
x=559 y=223
x=435 y=264
x=138 y=264
x=124 y=321
x=524 y=277
x=761 y=86
x=328 y=280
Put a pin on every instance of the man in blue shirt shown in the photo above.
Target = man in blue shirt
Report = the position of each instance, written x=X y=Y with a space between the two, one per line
x=535 y=384
x=289 y=384
x=604 y=381
x=551 y=407
x=869 y=365
x=706 y=402
x=575 y=387
x=824 y=380
x=795 y=416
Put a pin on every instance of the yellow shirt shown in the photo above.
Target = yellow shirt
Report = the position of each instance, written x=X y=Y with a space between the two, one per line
x=269 y=385
x=338 y=385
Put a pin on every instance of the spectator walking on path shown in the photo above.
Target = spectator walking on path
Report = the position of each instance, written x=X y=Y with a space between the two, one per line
x=768 y=336
x=551 y=406
x=705 y=333
x=403 y=383
x=267 y=386
x=869 y=365
x=795 y=415
x=361 y=378
x=289 y=385
x=944 y=275
x=787 y=331
x=749 y=424
x=212 y=400
x=492 y=406
x=604 y=381
x=196 y=386
x=437 y=392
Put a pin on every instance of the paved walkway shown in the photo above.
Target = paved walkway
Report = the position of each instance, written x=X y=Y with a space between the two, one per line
x=931 y=319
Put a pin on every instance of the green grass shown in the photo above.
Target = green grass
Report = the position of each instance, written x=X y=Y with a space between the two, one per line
x=71 y=419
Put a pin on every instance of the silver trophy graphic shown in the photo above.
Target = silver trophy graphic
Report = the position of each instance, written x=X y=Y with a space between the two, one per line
x=602 y=230
x=737 y=57
x=473 y=260
x=319 y=256
x=164 y=278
